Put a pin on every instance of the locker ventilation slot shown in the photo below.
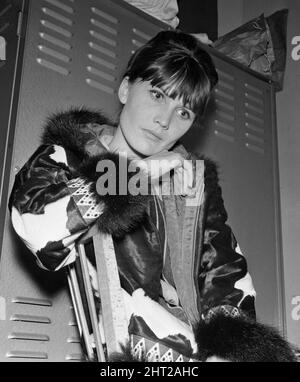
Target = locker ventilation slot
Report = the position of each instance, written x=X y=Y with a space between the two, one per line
x=31 y=301
x=105 y=16
x=72 y=323
x=225 y=108
x=254 y=99
x=29 y=337
x=102 y=62
x=102 y=52
x=137 y=43
x=53 y=53
x=101 y=49
x=55 y=41
x=139 y=39
x=104 y=27
x=61 y=6
x=101 y=38
x=223 y=95
x=27 y=354
x=29 y=318
x=254 y=90
x=100 y=73
x=54 y=67
x=28 y=328
x=56 y=30
x=75 y=357
x=141 y=34
x=254 y=119
x=73 y=340
x=223 y=136
x=99 y=86
x=54 y=15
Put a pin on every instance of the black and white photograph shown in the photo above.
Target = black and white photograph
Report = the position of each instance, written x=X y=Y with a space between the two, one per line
x=149 y=194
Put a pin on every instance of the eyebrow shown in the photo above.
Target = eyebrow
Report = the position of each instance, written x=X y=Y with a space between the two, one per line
x=164 y=92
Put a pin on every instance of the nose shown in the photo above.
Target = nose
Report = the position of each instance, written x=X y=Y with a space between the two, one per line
x=163 y=117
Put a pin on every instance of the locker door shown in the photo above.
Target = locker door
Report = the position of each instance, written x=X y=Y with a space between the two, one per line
x=74 y=54
x=10 y=46
x=239 y=133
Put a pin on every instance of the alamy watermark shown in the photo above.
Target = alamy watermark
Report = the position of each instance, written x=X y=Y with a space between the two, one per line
x=296 y=308
x=155 y=176
x=296 y=50
x=2 y=49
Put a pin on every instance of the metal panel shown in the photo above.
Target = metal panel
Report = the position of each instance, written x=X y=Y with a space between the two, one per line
x=74 y=54
x=9 y=19
x=38 y=321
x=239 y=133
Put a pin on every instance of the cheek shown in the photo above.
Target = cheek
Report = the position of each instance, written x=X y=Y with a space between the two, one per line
x=133 y=115
x=127 y=118
x=178 y=130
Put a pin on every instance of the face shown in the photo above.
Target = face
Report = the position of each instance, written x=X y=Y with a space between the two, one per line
x=150 y=120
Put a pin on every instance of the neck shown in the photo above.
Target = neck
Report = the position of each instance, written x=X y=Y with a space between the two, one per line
x=120 y=145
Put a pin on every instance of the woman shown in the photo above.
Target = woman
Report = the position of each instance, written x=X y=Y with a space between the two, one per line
x=177 y=259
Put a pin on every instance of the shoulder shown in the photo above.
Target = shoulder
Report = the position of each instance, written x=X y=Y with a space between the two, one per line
x=210 y=166
x=73 y=127
x=213 y=189
x=211 y=170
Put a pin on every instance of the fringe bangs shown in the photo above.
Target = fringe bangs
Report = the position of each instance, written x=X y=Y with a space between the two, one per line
x=182 y=77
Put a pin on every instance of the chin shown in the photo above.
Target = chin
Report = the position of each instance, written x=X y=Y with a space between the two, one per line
x=146 y=151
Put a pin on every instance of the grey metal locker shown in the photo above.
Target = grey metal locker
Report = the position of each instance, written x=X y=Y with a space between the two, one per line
x=240 y=135
x=73 y=53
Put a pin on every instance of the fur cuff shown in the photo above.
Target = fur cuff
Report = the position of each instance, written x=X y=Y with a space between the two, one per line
x=240 y=339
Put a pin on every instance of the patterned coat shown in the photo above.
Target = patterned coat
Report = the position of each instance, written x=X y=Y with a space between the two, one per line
x=177 y=258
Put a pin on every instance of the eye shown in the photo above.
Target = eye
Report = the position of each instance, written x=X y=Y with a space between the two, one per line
x=184 y=114
x=156 y=95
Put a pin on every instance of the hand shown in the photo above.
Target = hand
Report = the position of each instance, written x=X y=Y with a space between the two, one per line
x=159 y=165
x=202 y=37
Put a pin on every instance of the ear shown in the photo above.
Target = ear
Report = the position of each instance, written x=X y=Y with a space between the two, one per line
x=124 y=90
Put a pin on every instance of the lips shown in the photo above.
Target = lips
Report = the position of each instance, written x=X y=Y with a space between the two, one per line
x=152 y=135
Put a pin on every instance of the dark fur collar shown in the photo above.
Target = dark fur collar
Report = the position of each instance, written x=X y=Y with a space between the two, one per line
x=122 y=213
x=65 y=128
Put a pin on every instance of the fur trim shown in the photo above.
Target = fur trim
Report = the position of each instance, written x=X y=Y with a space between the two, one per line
x=216 y=212
x=64 y=129
x=122 y=213
x=241 y=339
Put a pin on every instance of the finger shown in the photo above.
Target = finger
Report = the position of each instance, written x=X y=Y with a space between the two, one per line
x=188 y=173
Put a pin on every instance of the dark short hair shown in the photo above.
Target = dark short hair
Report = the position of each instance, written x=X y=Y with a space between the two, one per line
x=175 y=62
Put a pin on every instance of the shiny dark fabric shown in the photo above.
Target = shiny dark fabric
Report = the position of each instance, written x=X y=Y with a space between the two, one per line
x=220 y=267
x=140 y=260
x=52 y=254
x=41 y=181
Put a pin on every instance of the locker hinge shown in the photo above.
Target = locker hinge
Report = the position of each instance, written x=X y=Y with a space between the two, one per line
x=19 y=27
